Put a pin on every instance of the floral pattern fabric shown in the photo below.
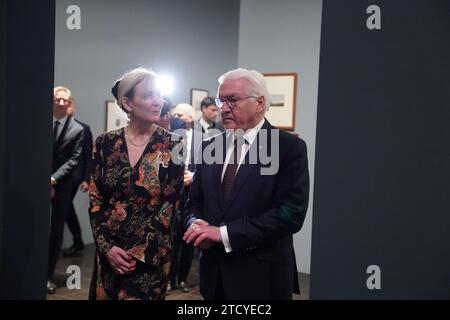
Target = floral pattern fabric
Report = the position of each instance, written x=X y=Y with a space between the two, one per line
x=132 y=208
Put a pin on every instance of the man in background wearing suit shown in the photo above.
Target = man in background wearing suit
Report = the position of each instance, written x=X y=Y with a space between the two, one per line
x=81 y=178
x=67 y=154
x=208 y=120
x=242 y=217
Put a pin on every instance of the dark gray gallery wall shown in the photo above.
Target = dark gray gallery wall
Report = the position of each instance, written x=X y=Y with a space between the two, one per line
x=284 y=36
x=194 y=41
x=27 y=49
x=383 y=159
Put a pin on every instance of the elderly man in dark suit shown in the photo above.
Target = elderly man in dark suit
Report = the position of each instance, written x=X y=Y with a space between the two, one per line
x=243 y=210
x=67 y=153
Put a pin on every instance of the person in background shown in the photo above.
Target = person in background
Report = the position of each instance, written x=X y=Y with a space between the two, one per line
x=183 y=252
x=81 y=178
x=136 y=182
x=68 y=137
x=168 y=122
x=209 y=115
x=185 y=112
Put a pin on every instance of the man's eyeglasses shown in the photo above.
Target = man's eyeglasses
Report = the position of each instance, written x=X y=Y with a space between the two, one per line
x=231 y=101
x=65 y=101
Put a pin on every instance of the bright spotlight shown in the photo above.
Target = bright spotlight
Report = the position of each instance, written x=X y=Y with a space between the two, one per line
x=166 y=84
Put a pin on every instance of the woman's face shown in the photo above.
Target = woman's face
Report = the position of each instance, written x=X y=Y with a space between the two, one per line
x=147 y=101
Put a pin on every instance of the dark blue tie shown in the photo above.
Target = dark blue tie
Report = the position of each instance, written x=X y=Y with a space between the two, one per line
x=55 y=131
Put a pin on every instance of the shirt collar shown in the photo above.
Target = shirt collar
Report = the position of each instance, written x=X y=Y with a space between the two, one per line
x=204 y=124
x=250 y=134
x=62 y=121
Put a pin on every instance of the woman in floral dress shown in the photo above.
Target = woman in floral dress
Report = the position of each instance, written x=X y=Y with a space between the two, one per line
x=136 y=181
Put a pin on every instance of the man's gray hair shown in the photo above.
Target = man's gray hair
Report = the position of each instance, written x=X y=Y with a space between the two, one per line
x=257 y=83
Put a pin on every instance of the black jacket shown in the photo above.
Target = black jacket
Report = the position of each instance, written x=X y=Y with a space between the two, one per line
x=67 y=153
x=261 y=214
x=83 y=171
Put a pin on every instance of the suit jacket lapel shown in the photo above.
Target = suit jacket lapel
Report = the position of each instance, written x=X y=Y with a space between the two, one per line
x=215 y=174
x=219 y=168
x=240 y=180
x=242 y=176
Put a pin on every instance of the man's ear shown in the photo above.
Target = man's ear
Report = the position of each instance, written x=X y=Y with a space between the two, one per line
x=126 y=104
x=261 y=104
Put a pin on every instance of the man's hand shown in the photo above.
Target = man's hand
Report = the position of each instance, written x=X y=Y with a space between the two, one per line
x=209 y=235
x=188 y=175
x=84 y=186
x=194 y=230
x=52 y=192
x=120 y=261
x=202 y=234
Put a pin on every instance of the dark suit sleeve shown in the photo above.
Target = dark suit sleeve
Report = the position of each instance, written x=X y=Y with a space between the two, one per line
x=195 y=198
x=74 y=160
x=97 y=218
x=196 y=145
x=87 y=154
x=289 y=207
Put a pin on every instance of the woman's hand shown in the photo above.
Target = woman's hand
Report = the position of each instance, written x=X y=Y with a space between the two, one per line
x=120 y=261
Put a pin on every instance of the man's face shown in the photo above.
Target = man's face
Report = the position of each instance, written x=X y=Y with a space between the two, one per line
x=61 y=102
x=210 y=113
x=245 y=114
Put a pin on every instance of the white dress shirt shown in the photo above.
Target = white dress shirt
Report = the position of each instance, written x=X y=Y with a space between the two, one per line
x=204 y=125
x=249 y=136
x=188 y=146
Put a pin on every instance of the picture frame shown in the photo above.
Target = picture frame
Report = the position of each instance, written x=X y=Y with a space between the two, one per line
x=282 y=89
x=115 y=118
x=197 y=95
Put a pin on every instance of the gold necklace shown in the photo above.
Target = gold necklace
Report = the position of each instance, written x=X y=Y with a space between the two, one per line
x=135 y=144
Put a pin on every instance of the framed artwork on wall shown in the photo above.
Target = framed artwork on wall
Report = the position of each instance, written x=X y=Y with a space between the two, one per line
x=282 y=95
x=197 y=95
x=115 y=118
